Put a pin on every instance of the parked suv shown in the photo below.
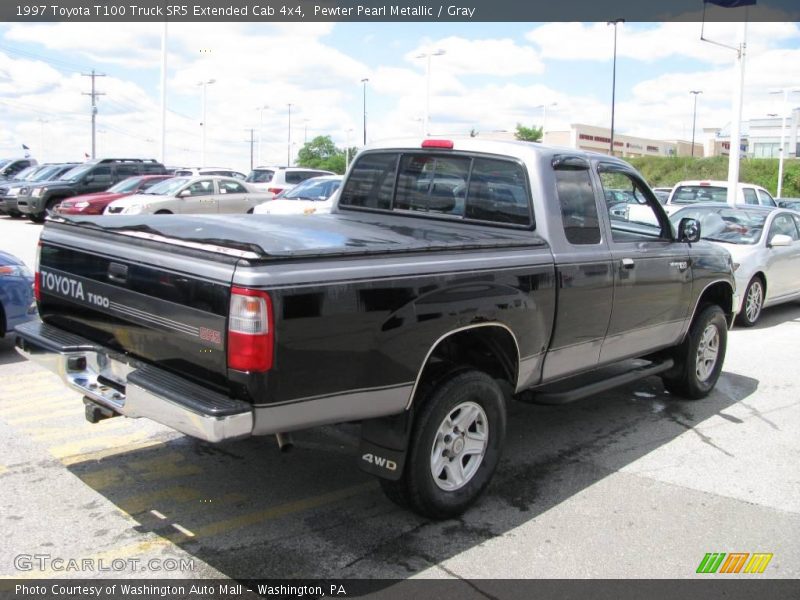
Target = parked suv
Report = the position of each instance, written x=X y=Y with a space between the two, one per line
x=276 y=179
x=9 y=167
x=93 y=176
x=9 y=190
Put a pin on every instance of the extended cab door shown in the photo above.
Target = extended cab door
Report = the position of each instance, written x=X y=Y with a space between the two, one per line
x=584 y=272
x=652 y=272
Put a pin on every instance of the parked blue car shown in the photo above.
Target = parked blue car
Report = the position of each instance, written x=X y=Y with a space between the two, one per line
x=16 y=293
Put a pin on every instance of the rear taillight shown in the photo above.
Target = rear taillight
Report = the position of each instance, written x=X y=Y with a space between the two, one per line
x=275 y=191
x=250 y=332
x=37 y=277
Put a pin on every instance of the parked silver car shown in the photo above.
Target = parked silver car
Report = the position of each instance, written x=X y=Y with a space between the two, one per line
x=190 y=195
x=764 y=243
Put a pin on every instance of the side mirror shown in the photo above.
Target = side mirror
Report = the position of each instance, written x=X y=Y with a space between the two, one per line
x=778 y=240
x=88 y=179
x=184 y=193
x=689 y=230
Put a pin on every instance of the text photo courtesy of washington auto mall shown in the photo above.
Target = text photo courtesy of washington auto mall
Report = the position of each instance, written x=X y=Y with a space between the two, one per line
x=399 y=300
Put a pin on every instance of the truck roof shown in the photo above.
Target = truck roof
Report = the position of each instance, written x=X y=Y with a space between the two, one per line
x=517 y=149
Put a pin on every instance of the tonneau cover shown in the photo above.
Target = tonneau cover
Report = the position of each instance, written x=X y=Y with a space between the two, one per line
x=288 y=236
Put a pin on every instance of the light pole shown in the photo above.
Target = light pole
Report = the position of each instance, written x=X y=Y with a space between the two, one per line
x=205 y=84
x=305 y=131
x=428 y=56
x=260 y=110
x=289 y=143
x=695 y=93
x=544 y=114
x=782 y=150
x=364 y=107
x=615 y=22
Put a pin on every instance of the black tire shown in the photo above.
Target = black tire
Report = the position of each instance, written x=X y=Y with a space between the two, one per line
x=37 y=218
x=467 y=397
x=696 y=373
x=752 y=303
x=163 y=212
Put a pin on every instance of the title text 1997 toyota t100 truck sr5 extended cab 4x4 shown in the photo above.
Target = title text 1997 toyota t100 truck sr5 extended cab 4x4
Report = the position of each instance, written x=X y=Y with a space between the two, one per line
x=453 y=276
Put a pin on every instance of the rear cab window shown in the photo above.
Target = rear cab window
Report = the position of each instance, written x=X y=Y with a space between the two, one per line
x=451 y=185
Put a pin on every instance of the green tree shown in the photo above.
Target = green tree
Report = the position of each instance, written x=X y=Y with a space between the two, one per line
x=528 y=134
x=322 y=153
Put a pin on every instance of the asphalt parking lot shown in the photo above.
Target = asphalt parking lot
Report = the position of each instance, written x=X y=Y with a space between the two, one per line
x=628 y=484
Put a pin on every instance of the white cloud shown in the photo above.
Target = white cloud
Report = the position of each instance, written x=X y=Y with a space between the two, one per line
x=496 y=57
x=650 y=42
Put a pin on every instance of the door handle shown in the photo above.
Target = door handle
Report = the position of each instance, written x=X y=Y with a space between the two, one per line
x=627 y=263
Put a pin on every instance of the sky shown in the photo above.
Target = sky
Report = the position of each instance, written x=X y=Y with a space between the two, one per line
x=491 y=77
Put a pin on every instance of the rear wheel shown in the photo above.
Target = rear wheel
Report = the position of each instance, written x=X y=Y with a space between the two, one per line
x=163 y=212
x=753 y=302
x=454 y=448
x=698 y=360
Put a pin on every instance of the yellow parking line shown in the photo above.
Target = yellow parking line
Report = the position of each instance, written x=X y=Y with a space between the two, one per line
x=45 y=417
x=84 y=446
x=140 y=503
x=85 y=430
x=151 y=469
x=105 y=453
x=38 y=405
x=3 y=469
x=281 y=510
x=169 y=541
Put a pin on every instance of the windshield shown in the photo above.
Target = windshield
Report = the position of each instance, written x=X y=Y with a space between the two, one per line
x=312 y=190
x=76 y=173
x=729 y=225
x=44 y=174
x=168 y=187
x=126 y=185
x=260 y=176
x=26 y=173
x=689 y=194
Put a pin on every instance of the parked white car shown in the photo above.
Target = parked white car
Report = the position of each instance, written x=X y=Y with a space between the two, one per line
x=222 y=171
x=764 y=243
x=190 y=195
x=275 y=180
x=314 y=196
x=698 y=191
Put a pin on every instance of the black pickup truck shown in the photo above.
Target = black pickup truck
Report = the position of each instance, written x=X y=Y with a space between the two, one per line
x=452 y=277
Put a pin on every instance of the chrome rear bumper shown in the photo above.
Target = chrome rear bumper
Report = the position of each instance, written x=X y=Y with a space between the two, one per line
x=134 y=389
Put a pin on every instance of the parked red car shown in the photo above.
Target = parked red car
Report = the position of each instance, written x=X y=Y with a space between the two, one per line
x=94 y=204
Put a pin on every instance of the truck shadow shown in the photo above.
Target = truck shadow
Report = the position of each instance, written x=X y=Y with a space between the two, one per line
x=249 y=511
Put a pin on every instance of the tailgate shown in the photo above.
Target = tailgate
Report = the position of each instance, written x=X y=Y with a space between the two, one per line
x=163 y=304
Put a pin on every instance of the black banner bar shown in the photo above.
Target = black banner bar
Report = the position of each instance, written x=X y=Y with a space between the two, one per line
x=386 y=10
x=711 y=588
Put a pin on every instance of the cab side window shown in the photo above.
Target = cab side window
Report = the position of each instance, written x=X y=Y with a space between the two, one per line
x=630 y=208
x=578 y=206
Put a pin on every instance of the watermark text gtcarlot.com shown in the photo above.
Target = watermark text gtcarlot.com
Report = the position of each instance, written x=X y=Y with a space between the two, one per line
x=48 y=562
